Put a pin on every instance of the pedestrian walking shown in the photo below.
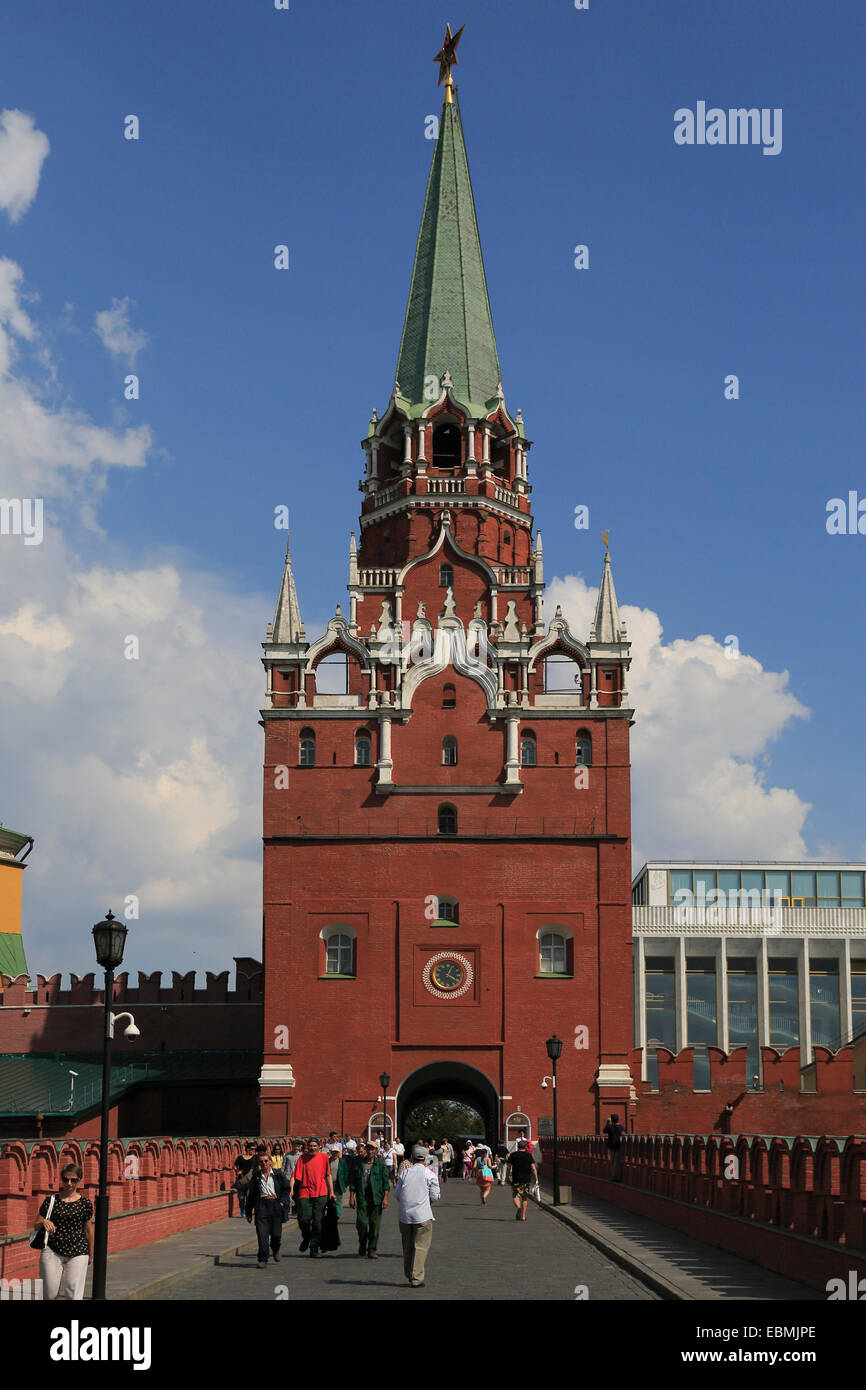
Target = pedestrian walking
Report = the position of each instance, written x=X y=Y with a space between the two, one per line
x=368 y=1179
x=67 y=1218
x=268 y=1205
x=468 y=1154
x=245 y=1166
x=483 y=1174
x=443 y=1158
x=290 y=1162
x=339 y=1176
x=311 y=1186
x=415 y=1189
x=399 y=1155
x=613 y=1132
x=388 y=1157
x=501 y=1162
x=524 y=1175
x=277 y=1155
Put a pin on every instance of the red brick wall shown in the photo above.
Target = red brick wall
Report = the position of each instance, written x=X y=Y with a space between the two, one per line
x=182 y=1017
x=797 y=1206
x=156 y=1186
x=834 y=1107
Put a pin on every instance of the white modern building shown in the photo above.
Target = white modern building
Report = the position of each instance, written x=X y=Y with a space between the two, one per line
x=755 y=954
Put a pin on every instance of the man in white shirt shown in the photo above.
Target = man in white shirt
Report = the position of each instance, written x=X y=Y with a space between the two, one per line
x=415 y=1187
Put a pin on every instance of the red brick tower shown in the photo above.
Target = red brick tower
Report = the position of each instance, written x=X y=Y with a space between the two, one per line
x=447 y=861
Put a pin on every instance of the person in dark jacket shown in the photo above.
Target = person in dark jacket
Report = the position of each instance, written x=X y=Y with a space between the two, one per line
x=614 y=1134
x=368 y=1180
x=267 y=1203
x=245 y=1167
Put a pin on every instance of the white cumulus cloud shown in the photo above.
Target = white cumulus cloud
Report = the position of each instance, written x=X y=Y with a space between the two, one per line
x=136 y=777
x=23 y=150
x=117 y=334
x=48 y=450
x=703 y=724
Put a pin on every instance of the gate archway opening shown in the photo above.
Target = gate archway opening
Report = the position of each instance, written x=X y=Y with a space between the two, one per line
x=455 y=1082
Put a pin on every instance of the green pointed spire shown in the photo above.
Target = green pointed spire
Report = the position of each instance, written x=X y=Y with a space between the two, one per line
x=448 y=324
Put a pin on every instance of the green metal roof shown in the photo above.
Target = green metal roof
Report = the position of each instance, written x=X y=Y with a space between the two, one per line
x=12 y=960
x=42 y=1085
x=448 y=324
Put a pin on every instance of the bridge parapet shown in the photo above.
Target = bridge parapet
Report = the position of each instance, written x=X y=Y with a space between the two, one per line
x=807 y=1185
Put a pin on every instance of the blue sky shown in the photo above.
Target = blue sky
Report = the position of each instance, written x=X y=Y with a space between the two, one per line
x=307 y=127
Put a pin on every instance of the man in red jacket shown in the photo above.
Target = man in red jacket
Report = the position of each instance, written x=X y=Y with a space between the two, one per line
x=311 y=1187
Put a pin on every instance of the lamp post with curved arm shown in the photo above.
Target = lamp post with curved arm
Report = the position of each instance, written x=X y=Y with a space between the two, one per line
x=109 y=938
x=554 y=1051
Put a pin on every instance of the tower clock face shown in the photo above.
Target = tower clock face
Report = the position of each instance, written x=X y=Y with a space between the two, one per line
x=448 y=975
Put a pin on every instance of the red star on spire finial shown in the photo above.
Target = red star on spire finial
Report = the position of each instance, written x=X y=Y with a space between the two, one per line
x=447 y=56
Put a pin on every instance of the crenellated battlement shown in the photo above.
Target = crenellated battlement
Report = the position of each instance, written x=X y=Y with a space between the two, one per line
x=83 y=990
x=717 y=1095
x=175 y=1017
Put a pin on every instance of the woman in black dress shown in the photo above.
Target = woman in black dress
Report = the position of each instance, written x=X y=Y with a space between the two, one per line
x=69 y=1243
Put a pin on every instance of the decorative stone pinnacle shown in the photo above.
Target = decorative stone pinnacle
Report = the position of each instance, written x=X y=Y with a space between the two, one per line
x=446 y=381
x=450 y=610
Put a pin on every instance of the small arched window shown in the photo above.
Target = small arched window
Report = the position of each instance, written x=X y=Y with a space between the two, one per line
x=363 y=749
x=552 y=954
x=339 y=954
x=449 y=697
x=447 y=820
x=449 y=751
x=448 y=911
x=583 y=749
x=528 y=750
x=446 y=576
x=506 y=537
x=308 y=748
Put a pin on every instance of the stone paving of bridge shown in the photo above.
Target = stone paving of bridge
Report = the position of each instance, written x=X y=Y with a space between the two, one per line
x=477 y=1253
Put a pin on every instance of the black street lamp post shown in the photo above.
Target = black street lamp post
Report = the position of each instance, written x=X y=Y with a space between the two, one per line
x=554 y=1050
x=109 y=938
x=384 y=1082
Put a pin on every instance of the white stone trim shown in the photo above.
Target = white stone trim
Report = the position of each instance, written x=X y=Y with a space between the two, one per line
x=613 y=1074
x=276 y=1074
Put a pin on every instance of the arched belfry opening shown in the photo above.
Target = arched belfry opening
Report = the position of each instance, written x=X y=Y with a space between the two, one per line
x=447 y=446
x=451 y=1081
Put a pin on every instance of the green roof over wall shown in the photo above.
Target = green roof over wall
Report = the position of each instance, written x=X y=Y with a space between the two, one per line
x=31 y=1085
x=448 y=324
x=12 y=961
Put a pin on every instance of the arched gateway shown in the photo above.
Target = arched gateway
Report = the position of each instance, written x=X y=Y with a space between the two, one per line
x=439 y=882
x=447 y=1080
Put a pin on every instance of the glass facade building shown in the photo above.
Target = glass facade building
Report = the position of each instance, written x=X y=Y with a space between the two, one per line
x=748 y=955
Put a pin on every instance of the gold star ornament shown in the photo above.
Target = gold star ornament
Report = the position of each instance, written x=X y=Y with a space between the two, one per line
x=447 y=58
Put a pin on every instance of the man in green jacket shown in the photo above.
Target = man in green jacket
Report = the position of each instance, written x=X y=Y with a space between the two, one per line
x=368 y=1180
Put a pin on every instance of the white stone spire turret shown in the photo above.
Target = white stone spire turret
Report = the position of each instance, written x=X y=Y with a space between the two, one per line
x=607 y=627
x=287 y=627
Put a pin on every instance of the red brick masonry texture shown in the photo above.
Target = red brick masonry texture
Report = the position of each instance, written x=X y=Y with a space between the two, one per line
x=171 y=1185
x=797 y=1206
